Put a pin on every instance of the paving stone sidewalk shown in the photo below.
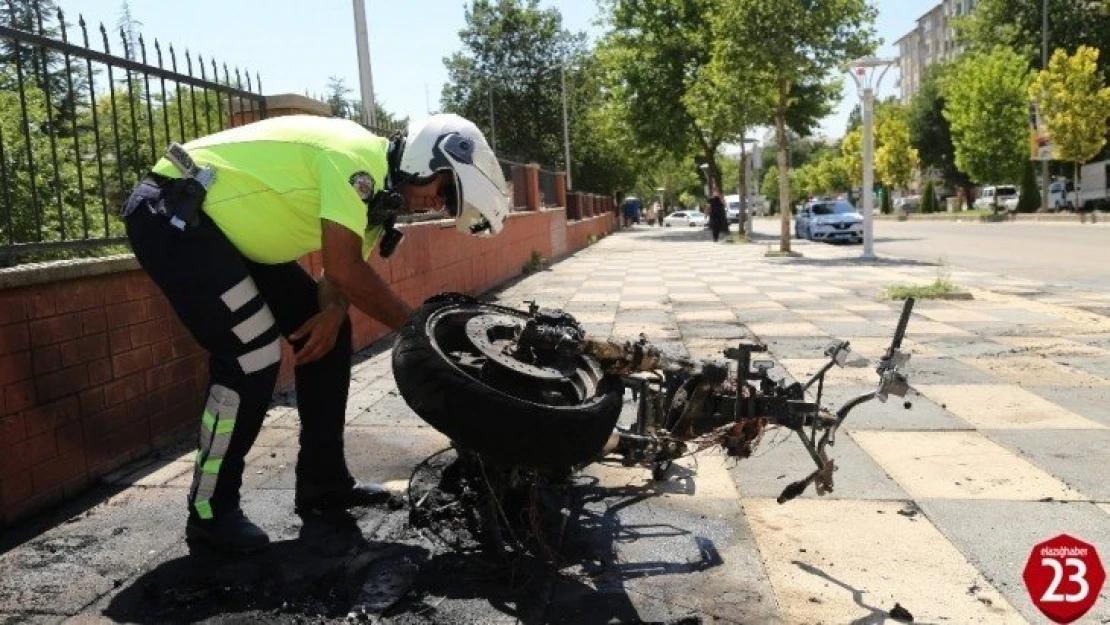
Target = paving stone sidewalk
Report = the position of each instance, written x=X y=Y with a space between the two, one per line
x=937 y=506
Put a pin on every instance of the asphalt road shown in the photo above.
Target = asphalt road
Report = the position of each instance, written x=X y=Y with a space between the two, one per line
x=1060 y=253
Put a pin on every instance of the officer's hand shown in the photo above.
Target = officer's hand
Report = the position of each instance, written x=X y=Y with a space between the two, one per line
x=318 y=334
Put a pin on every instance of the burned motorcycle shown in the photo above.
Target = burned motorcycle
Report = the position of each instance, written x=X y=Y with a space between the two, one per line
x=531 y=389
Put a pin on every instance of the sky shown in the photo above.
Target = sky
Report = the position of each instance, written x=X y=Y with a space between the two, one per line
x=296 y=47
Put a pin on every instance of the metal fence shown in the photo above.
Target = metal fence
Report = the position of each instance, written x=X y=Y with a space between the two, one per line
x=549 y=190
x=80 y=126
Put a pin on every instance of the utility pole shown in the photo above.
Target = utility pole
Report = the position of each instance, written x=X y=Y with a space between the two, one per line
x=1044 y=65
x=365 y=77
x=492 y=127
x=566 y=127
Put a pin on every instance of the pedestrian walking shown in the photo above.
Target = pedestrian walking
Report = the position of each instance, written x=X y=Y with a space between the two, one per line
x=718 y=217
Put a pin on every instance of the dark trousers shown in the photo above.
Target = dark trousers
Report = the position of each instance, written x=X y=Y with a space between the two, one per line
x=237 y=310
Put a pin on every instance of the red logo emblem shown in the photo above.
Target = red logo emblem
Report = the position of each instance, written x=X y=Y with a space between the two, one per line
x=1064 y=576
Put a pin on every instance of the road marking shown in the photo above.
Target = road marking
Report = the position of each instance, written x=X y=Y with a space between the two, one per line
x=959 y=465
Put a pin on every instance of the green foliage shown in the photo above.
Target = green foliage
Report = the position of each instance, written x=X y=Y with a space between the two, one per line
x=511 y=54
x=770 y=185
x=1074 y=103
x=987 y=107
x=887 y=205
x=794 y=43
x=930 y=132
x=826 y=174
x=1016 y=24
x=895 y=157
x=1029 y=199
x=929 y=198
x=536 y=262
x=656 y=57
x=937 y=289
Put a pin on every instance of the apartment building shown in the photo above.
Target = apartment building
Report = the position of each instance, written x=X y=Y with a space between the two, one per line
x=931 y=41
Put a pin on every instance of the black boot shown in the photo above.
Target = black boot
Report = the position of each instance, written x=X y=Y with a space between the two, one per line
x=231 y=532
x=336 y=501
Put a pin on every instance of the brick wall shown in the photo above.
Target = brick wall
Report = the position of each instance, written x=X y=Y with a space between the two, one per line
x=96 y=371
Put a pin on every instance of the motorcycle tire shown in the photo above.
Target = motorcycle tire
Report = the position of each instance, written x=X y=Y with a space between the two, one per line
x=482 y=417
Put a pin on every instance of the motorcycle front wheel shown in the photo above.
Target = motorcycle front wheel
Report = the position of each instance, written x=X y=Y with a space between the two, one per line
x=454 y=364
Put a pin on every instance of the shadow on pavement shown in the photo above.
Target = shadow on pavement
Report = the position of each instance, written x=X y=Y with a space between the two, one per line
x=324 y=573
x=876 y=616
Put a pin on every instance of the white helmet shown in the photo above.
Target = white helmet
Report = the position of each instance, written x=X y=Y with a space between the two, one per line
x=449 y=142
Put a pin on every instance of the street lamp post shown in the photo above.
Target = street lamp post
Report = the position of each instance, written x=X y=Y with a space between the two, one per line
x=704 y=167
x=866 y=83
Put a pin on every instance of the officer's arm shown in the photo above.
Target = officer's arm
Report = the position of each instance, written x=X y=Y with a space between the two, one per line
x=344 y=267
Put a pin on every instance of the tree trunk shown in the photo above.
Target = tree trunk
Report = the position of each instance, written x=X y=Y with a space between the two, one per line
x=743 y=190
x=784 y=171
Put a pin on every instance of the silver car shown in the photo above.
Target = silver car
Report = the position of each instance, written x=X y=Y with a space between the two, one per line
x=829 y=220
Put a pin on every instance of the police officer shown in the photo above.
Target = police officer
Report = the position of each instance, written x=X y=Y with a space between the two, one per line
x=221 y=236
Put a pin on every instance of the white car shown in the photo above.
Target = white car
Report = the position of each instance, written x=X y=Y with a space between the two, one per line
x=829 y=220
x=1003 y=196
x=693 y=219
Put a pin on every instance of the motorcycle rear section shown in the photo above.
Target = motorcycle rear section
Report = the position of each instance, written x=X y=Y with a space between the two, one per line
x=530 y=388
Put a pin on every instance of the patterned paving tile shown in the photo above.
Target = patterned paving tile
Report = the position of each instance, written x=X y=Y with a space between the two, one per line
x=997 y=538
x=1003 y=406
x=821 y=575
x=765 y=329
x=959 y=465
x=1034 y=370
x=1066 y=454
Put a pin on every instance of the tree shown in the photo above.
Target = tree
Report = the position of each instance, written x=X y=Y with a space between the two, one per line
x=895 y=157
x=851 y=149
x=1074 y=105
x=929 y=198
x=512 y=52
x=930 y=133
x=656 y=55
x=1029 y=199
x=337 y=97
x=603 y=159
x=795 y=43
x=986 y=105
x=1016 y=24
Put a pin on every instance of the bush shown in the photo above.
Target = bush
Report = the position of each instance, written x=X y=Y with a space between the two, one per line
x=929 y=199
x=1030 y=197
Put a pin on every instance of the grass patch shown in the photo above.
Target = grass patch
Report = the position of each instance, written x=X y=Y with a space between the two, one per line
x=941 y=288
x=535 y=263
x=937 y=289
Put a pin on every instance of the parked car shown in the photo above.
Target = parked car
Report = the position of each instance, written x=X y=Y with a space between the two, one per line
x=690 y=218
x=829 y=220
x=1002 y=196
x=732 y=206
x=908 y=203
x=1061 y=196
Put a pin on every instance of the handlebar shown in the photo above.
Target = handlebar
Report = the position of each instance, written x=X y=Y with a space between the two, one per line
x=900 y=332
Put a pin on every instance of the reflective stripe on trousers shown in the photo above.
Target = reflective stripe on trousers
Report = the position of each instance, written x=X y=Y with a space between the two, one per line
x=216 y=428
